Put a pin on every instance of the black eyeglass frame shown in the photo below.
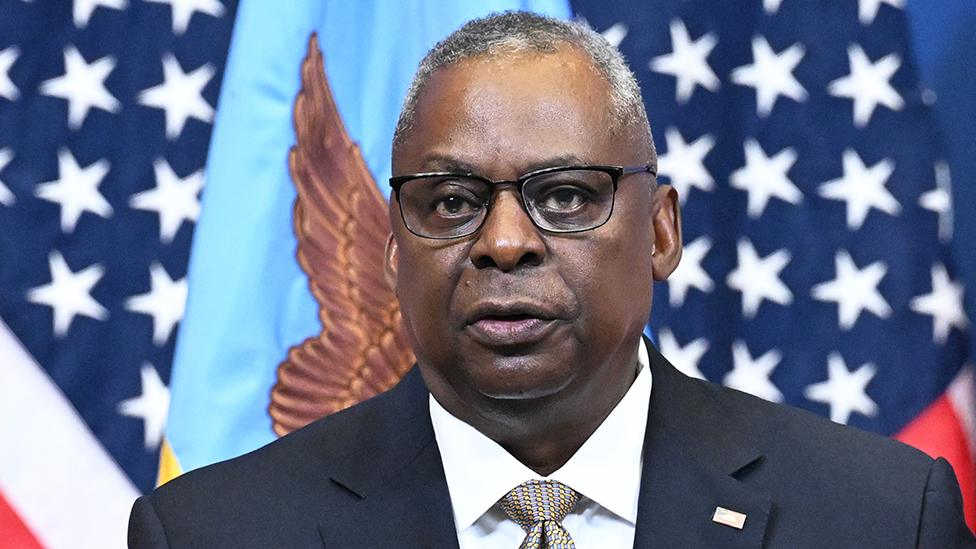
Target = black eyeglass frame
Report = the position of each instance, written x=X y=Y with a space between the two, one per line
x=615 y=173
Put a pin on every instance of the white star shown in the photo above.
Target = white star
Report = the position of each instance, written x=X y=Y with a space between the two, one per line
x=151 y=406
x=939 y=200
x=183 y=10
x=684 y=163
x=752 y=375
x=615 y=34
x=165 y=302
x=180 y=95
x=844 y=391
x=69 y=293
x=764 y=177
x=83 y=86
x=771 y=74
x=854 y=290
x=862 y=188
x=7 y=198
x=84 y=8
x=771 y=6
x=758 y=279
x=944 y=304
x=7 y=59
x=685 y=358
x=76 y=190
x=174 y=199
x=690 y=272
x=868 y=85
x=687 y=62
x=868 y=9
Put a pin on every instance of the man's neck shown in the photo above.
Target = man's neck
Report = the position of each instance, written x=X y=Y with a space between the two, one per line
x=546 y=455
x=543 y=434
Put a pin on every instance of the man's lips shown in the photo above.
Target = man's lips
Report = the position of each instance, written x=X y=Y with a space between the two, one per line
x=502 y=325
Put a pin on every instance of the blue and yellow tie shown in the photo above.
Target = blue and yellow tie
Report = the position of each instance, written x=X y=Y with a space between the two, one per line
x=539 y=507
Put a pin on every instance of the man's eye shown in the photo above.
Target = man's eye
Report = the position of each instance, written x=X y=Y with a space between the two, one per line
x=455 y=206
x=563 y=198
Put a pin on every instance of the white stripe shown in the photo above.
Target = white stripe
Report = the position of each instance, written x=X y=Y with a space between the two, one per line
x=53 y=471
x=962 y=397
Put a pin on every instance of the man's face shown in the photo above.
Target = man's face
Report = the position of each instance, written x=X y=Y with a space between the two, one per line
x=513 y=313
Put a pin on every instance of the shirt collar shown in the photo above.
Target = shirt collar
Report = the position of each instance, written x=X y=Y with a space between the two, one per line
x=606 y=469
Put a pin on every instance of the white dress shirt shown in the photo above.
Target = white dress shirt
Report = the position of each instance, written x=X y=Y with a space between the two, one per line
x=606 y=471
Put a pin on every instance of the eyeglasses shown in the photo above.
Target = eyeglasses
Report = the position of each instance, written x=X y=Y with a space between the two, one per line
x=567 y=199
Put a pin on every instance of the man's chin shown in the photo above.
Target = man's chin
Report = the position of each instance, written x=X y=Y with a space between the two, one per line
x=516 y=378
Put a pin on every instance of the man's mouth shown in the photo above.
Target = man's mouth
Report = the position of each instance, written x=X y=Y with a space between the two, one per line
x=497 y=325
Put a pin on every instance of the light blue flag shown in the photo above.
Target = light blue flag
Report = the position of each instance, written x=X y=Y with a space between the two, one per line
x=249 y=301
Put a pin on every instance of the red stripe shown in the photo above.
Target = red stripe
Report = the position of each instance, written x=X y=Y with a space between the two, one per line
x=939 y=433
x=13 y=531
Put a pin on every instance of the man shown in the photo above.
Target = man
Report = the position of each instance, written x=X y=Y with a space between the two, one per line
x=527 y=231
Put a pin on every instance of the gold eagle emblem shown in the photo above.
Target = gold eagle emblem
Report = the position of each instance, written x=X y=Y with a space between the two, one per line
x=340 y=219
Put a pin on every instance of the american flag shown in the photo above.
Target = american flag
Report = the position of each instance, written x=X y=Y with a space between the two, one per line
x=817 y=211
x=105 y=115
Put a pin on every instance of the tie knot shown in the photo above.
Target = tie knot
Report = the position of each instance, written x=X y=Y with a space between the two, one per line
x=537 y=501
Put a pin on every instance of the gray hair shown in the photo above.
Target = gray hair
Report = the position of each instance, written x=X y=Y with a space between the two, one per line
x=518 y=31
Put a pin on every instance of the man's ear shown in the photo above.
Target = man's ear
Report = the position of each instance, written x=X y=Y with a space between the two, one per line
x=666 y=217
x=391 y=264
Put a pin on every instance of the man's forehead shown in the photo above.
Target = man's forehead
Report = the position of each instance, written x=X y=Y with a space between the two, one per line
x=460 y=163
x=556 y=104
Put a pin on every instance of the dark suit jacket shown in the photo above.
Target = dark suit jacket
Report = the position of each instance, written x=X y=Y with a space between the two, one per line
x=371 y=476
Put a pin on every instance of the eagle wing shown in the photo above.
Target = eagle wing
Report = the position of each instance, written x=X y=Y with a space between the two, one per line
x=342 y=226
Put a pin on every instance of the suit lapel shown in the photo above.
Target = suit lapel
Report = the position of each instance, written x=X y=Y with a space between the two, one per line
x=694 y=458
x=395 y=474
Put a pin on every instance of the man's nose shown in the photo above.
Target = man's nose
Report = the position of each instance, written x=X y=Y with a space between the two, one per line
x=508 y=239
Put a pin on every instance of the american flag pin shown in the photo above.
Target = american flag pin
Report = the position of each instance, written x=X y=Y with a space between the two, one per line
x=729 y=517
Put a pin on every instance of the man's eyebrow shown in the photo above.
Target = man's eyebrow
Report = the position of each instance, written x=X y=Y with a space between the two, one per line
x=555 y=162
x=445 y=163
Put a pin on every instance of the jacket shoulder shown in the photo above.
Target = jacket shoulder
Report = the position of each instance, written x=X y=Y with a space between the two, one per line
x=270 y=493
x=829 y=481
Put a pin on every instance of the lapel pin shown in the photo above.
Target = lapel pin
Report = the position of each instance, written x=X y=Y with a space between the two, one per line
x=729 y=517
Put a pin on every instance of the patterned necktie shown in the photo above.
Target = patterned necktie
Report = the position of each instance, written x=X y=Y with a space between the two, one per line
x=539 y=507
